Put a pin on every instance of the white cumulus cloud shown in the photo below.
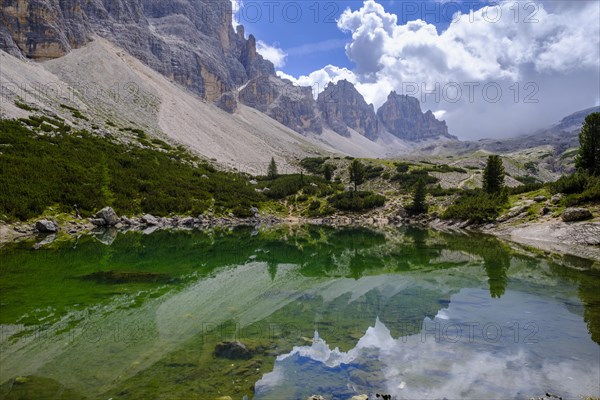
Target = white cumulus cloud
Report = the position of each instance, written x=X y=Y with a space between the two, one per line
x=272 y=53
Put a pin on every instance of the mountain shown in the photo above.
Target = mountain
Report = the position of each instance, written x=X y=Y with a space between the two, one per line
x=292 y=106
x=343 y=107
x=402 y=116
x=560 y=137
x=572 y=123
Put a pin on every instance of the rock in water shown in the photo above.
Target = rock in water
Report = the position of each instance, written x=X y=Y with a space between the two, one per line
x=232 y=350
x=46 y=226
x=576 y=214
x=108 y=215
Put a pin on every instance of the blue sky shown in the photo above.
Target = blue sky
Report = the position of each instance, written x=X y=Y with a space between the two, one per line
x=308 y=33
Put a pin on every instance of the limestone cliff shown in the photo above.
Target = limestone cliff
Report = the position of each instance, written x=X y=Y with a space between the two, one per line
x=293 y=106
x=190 y=41
x=401 y=115
x=343 y=107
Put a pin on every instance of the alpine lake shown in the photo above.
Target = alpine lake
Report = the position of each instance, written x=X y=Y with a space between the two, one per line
x=286 y=312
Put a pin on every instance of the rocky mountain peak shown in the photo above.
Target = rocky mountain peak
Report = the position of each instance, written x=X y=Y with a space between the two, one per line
x=401 y=115
x=292 y=106
x=343 y=107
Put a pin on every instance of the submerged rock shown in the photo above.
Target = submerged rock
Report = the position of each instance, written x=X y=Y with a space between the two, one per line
x=576 y=214
x=232 y=350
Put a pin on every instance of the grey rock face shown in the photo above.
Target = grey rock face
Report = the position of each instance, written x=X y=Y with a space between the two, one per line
x=227 y=102
x=190 y=41
x=108 y=215
x=42 y=29
x=576 y=214
x=292 y=106
x=343 y=107
x=402 y=116
x=46 y=226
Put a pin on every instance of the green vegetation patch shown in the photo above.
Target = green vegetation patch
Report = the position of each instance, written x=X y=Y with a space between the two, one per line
x=38 y=171
x=356 y=201
x=476 y=206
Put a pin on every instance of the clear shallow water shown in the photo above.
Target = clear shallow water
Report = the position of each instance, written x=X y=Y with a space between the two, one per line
x=413 y=313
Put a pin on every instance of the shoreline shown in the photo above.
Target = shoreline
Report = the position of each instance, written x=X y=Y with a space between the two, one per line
x=551 y=236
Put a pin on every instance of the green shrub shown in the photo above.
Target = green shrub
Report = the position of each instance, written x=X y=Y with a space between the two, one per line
x=476 y=206
x=527 y=179
x=408 y=180
x=373 y=171
x=529 y=187
x=242 y=212
x=24 y=106
x=356 y=201
x=438 y=191
x=570 y=184
x=590 y=193
x=314 y=205
x=287 y=185
x=314 y=165
x=402 y=167
x=444 y=168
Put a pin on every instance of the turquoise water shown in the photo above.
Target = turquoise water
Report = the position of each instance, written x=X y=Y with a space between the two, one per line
x=337 y=312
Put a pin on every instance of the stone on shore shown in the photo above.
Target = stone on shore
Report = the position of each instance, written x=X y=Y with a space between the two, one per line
x=576 y=214
x=150 y=220
x=108 y=215
x=46 y=226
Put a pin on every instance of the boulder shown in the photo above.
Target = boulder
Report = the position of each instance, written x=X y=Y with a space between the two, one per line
x=316 y=397
x=150 y=220
x=539 y=199
x=232 y=351
x=556 y=198
x=97 y=221
x=46 y=226
x=512 y=213
x=544 y=211
x=576 y=214
x=109 y=216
